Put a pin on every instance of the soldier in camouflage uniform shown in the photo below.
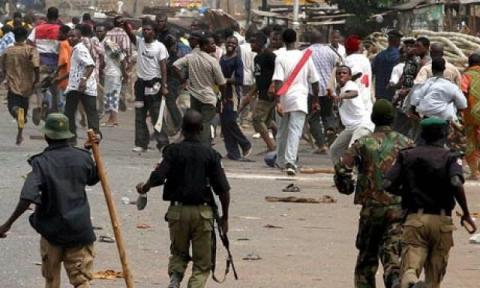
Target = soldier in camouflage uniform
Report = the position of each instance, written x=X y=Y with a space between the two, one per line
x=379 y=231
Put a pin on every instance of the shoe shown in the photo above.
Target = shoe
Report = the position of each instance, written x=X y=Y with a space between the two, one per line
x=247 y=152
x=256 y=136
x=175 y=280
x=36 y=115
x=290 y=169
x=21 y=118
x=138 y=149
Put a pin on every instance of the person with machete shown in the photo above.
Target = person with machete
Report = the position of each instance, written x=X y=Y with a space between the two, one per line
x=190 y=171
x=151 y=85
x=56 y=185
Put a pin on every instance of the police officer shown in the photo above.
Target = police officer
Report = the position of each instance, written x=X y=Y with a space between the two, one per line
x=190 y=171
x=429 y=178
x=379 y=231
x=56 y=185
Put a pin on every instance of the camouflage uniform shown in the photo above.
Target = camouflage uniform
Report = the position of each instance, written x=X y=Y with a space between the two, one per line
x=379 y=231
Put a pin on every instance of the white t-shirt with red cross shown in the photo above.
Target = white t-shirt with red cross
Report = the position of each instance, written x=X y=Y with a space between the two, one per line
x=359 y=63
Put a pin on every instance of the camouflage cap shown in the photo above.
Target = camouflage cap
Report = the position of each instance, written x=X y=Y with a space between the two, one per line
x=56 y=127
x=383 y=112
x=433 y=121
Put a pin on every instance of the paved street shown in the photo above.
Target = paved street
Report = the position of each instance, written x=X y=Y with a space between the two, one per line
x=313 y=245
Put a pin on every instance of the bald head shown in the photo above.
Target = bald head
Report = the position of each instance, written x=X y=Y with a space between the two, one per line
x=436 y=50
x=192 y=123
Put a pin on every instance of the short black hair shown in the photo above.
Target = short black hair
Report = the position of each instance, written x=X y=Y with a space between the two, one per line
x=345 y=67
x=474 y=59
x=147 y=21
x=52 y=13
x=17 y=14
x=85 y=29
x=204 y=39
x=438 y=64
x=20 y=33
x=75 y=20
x=86 y=16
x=192 y=123
x=424 y=40
x=289 y=36
x=64 y=29
x=260 y=39
x=115 y=21
x=434 y=133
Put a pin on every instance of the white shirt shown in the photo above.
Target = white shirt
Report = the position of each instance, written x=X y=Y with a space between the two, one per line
x=353 y=113
x=359 y=63
x=113 y=59
x=296 y=97
x=397 y=73
x=149 y=57
x=80 y=60
x=240 y=38
x=438 y=97
x=247 y=56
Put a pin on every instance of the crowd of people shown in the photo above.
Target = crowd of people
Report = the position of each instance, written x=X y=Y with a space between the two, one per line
x=366 y=112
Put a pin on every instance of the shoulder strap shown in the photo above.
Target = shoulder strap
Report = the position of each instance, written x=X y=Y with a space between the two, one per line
x=336 y=52
x=306 y=55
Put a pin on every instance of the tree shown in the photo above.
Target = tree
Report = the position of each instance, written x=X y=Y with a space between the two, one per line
x=362 y=23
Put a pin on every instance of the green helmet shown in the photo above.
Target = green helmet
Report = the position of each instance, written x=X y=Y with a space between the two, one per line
x=56 y=127
x=383 y=112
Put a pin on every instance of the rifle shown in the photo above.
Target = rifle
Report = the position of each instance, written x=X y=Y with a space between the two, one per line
x=226 y=243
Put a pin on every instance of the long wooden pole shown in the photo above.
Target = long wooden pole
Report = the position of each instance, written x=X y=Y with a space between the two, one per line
x=111 y=209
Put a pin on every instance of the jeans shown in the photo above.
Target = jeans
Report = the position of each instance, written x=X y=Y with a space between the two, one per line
x=90 y=105
x=232 y=134
x=208 y=112
x=288 y=137
x=344 y=140
x=147 y=104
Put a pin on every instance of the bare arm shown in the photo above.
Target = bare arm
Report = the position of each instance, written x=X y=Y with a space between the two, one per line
x=22 y=206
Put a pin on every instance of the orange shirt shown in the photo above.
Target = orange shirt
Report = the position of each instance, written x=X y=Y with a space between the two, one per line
x=64 y=55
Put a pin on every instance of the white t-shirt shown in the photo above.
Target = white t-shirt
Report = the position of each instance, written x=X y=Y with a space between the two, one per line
x=247 y=56
x=359 y=63
x=397 y=73
x=353 y=113
x=149 y=57
x=296 y=97
x=113 y=59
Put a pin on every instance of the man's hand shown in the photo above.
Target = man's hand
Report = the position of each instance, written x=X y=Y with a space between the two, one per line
x=88 y=144
x=82 y=85
x=164 y=91
x=280 y=109
x=471 y=227
x=3 y=230
x=224 y=224
x=315 y=106
x=142 y=188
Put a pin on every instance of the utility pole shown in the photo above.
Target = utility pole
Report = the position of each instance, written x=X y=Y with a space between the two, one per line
x=296 y=8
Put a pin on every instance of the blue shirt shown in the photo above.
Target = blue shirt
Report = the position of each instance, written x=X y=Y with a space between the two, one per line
x=382 y=67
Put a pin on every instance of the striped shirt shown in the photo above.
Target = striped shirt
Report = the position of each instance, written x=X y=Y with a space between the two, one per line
x=324 y=59
x=119 y=36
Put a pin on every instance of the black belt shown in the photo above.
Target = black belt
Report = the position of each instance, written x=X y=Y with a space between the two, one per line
x=178 y=203
x=431 y=211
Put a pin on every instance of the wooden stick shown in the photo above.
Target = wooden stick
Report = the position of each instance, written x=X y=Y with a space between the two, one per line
x=317 y=171
x=111 y=208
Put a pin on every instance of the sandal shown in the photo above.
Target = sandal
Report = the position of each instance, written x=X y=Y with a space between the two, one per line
x=291 y=188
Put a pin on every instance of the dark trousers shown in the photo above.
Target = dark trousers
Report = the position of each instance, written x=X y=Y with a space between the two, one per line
x=90 y=105
x=325 y=114
x=147 y=105
x=208 y=112
x=232 y=134
x=15 y=101
x=171 y=103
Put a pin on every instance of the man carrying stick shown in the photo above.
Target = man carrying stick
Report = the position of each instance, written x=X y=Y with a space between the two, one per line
x=56 y=185
x=190 y=171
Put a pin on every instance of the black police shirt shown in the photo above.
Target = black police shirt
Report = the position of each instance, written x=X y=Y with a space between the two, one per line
x=190 y=171
x=56 y=185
